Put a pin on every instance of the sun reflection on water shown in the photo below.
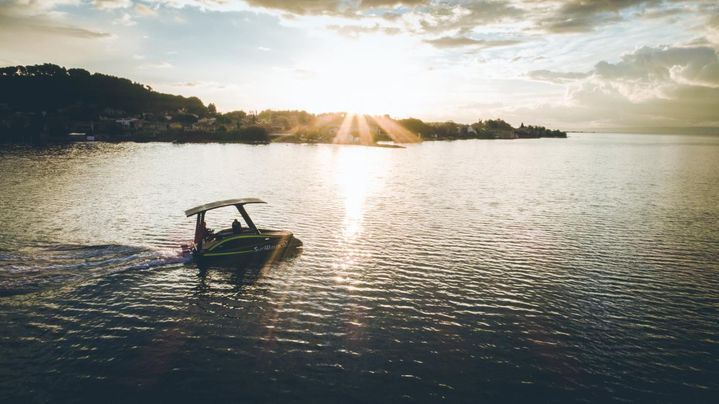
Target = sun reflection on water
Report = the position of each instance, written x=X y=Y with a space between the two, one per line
x=359 y=172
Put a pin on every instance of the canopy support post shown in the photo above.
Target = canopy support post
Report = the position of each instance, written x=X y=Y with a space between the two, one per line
x=249 y=221
x=198 y=228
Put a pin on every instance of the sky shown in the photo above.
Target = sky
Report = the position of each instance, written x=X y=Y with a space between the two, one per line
x=572 y=64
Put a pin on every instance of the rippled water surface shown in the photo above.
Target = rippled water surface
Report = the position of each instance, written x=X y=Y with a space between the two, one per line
x=580 y=269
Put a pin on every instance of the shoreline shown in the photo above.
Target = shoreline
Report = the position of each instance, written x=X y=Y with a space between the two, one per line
x=390 y=145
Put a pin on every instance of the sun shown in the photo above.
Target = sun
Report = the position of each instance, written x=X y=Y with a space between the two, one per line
x=366 y=76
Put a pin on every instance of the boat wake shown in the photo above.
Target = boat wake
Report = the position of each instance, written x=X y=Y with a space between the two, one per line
x=40 y=266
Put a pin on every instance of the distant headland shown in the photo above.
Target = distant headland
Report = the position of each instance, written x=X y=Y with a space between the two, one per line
x=51 y=104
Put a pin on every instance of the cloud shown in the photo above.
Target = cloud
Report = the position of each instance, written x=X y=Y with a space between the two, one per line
x=483 y=12
x=301 y=7
x=156 y=66
x=455 y=17
x=296 y=71
x=450 y=17
x=111 y=4
x=452 y=42
x=463 y=16
x=331 y=7
x=713 y=21
x=33 y=7
x=556 y=77
x=396 y=16
x=389 y=3
x=653 y=86
x=34 y=34
x=209 y=85
x=144 y=10
x=657 y=66
x=423 y=17
x=712 y=27
x=584 y=16
x=354 y=31
x=126 y=20
x=17 y=25
x=71 y=31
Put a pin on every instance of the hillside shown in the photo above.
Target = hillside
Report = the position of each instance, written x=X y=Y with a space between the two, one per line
x=52 y=88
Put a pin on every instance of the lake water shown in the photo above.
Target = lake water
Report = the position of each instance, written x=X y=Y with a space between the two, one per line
x=579 y=269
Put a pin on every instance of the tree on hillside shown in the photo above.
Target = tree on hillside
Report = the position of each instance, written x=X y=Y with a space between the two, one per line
x=416 y=126
x=49 y=88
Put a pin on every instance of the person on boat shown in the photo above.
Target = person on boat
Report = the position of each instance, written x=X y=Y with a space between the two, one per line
x=236 y=227
x=202 y=233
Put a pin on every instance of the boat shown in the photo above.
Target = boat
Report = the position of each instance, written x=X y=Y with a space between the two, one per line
x=238 y=242
x=80 y=137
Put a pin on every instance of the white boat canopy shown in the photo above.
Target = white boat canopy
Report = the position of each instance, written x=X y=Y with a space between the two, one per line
x=221 y=204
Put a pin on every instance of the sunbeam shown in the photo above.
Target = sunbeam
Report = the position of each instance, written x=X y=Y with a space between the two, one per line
x=365 y=133
x=395 y=130
x=344 y=133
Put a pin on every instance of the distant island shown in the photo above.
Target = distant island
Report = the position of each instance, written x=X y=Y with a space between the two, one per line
x=51 y=104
